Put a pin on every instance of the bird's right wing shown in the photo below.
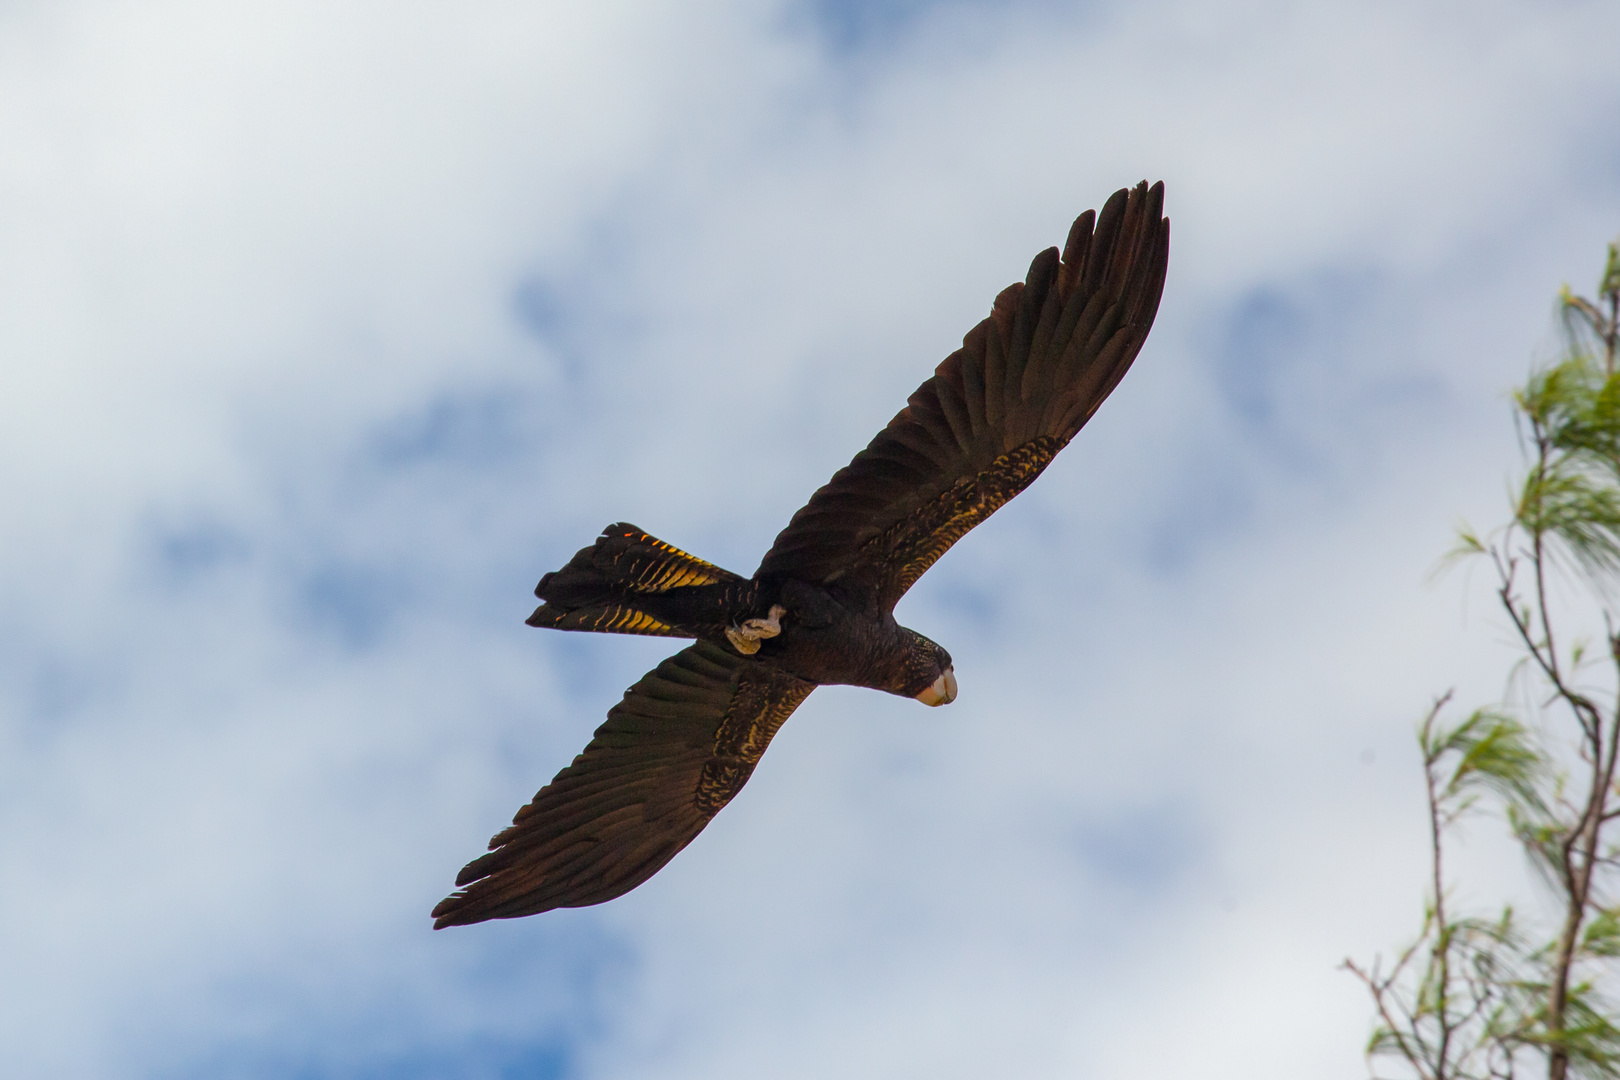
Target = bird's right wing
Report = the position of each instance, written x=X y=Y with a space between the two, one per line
x=993 y=415
x=682 y=742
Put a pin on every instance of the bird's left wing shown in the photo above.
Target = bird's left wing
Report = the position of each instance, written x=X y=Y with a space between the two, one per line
x=682 y=742
x=994 y=414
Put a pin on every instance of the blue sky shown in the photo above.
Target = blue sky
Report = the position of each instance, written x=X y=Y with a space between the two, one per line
x=325 y=329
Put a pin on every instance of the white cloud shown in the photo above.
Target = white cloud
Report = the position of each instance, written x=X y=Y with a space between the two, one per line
x=328 y=328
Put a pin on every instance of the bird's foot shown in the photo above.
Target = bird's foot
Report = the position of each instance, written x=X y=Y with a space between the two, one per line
x=746 y=637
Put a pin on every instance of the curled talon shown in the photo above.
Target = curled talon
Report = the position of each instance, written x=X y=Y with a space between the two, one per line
x=769 y=626
x=741 y=641
x=745 y=638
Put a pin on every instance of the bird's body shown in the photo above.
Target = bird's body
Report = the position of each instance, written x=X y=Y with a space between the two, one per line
x=821 y=637
x=820 y=608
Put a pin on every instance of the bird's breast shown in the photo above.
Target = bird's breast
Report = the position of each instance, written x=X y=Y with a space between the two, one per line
x=824 y=642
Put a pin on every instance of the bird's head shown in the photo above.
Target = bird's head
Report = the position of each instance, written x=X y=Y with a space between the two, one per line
x=930 y=677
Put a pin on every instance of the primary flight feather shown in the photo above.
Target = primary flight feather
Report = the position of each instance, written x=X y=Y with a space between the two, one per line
x=820 y=608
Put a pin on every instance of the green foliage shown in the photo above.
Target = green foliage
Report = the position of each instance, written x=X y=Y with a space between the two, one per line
x=1570 y=492
x=1602 y=937
x=1586 y=327
x=1480 y=999
x=1493 y=751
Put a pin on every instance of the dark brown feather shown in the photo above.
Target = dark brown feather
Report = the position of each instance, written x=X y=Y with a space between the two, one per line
x=608 y=587
x=993 y=415
x=678 y=747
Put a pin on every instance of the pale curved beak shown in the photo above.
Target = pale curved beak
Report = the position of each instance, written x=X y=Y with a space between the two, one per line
x=943 y=692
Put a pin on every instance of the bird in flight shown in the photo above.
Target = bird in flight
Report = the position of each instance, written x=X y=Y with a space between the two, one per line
x=820 y=608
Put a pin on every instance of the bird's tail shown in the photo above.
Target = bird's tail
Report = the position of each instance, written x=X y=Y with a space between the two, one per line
x=609 y=586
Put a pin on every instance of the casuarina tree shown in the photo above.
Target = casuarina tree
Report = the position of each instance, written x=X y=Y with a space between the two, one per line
x=1514 y=994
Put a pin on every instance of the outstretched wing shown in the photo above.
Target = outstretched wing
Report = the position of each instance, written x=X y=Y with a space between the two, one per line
x=994 y=414
x=682 y=742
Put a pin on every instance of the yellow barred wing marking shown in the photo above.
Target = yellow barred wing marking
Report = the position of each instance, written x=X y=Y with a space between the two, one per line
x=649 y=565
x=909 y=547
x=631 y=621
x=612 y=619
x=599 y=589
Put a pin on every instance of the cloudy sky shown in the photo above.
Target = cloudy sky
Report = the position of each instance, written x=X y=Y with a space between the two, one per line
x=326 y=328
